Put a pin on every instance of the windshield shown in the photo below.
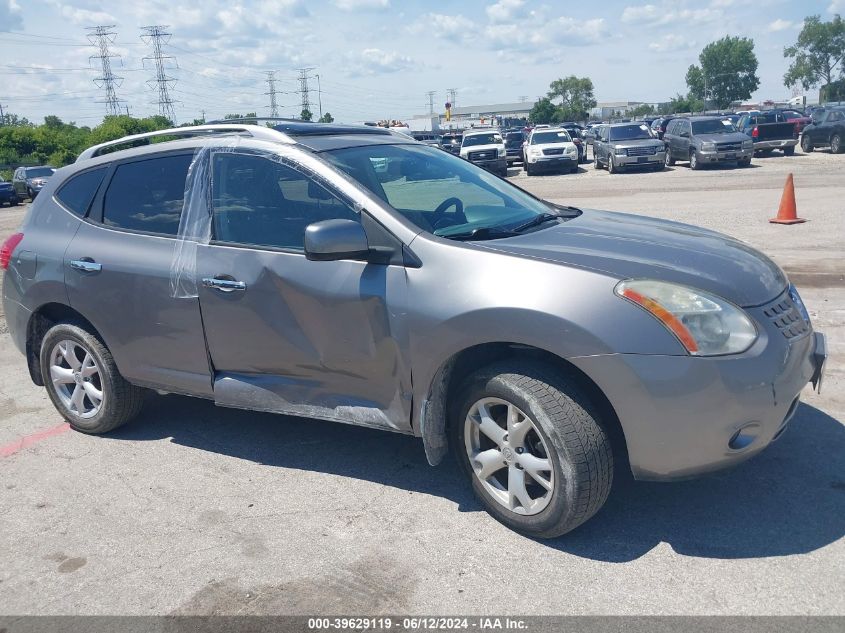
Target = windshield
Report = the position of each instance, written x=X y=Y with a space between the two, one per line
x=630 y=133
x=513 y=139
x=558 y=136
x=438 y=192
x=482 y=139
x=713 y=126
x=39 y=172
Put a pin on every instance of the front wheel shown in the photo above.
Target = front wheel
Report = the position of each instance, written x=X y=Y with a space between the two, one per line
x=533 y=448
x=693 y=161
x=789 y=151
x=806 y=144
x=669 y=161
x=835 y=144
x=611 y=165
x=83 y=381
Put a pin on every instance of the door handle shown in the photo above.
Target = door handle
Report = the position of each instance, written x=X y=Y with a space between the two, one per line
x=86 y=265
x=223 y=285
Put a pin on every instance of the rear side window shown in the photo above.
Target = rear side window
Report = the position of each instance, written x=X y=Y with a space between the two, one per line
x=78 y=192
x=147 y=195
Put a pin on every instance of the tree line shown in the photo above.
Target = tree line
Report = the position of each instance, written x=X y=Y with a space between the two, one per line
x=726 y=73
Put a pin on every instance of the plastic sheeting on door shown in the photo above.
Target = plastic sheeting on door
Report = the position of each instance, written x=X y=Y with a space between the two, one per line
x=195 y=224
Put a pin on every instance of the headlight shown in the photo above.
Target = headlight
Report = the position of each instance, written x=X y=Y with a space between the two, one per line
x=535 y=151
x=708 y=147
x=571 y=150
x=749 y=144
x=704 y=324
x=502 y=151
x=620 y=151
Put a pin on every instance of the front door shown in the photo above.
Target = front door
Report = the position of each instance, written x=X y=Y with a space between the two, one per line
x=285 y=334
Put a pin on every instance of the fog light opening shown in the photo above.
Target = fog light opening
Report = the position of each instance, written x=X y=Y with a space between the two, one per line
x=743 y=438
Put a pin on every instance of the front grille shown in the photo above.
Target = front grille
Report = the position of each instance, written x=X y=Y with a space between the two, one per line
x=785 y=316
x=555 y=151
x=484 y=155
x=642 y=151
x=729 y=147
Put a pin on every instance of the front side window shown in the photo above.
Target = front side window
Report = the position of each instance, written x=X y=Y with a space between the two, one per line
x=262 y=202
x=437 y=191
x=77 y=193
x=147 y=195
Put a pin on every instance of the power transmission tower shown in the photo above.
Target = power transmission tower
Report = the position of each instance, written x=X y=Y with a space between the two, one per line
x=271 y=81
x=523 y=98
x=430 y=95
x=156 y=36
x=101 y=37
x=453 y=96
x=303 y=88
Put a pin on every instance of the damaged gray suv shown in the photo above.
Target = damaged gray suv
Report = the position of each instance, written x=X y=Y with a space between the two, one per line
x=355 y=275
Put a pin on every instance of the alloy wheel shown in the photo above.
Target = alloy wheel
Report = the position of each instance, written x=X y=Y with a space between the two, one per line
x=508 y=456
x=76 y=378
x=835 y=144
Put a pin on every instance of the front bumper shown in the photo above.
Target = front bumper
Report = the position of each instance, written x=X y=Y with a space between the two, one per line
x=725 y=157
x=683 y=416
x=641 y=161
x=514 y=155
x=554 y=162
x=776 y=144
x=495 y=165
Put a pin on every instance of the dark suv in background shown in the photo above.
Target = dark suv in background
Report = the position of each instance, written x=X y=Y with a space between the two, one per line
x=28 y=181
x=451 y=142
x=513 y=145
x=827 y=129
x=706 y=140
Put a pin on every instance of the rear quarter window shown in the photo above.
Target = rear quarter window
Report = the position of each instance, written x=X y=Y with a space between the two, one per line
x=77 y=193
x=147 y=195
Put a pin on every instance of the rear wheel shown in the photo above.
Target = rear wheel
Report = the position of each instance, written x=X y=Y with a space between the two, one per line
x=806 y=144
x=789 y=151
x=83 y=382
x=531 y=444
x=835 y=144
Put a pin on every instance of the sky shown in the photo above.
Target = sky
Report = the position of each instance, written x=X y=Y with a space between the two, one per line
x=376 y=58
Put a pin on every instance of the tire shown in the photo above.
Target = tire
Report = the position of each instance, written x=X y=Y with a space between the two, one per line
x=806 y=144
x=14 y=202
x=120 y=400
x=836 y=144
x=563 y=427
x=30 y=194
x=504 y=173
x=528 y=170
x=693 y=161
x=789 y=151
x=611 y=165
x=670 y=160
x=660 y=166
x=745 y=162
x=596 y=163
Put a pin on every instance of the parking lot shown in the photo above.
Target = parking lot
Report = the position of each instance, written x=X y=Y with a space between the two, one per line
x=193 y=509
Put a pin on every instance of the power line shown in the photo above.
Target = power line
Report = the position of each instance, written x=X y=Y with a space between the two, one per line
x=101 y=37
x=155 y=36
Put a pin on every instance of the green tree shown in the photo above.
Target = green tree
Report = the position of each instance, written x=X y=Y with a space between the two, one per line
x=327 y=118
x=728 y=71
x=643 y=109
x=818 y=53
x=680 y=103
x=543 y=112
x=576 y=97
x=306 y=115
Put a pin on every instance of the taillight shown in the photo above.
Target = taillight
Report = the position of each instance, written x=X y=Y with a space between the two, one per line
x=8 y=248
x=755 y=132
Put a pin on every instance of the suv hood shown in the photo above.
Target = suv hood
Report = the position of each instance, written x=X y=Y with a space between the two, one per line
x=632 y=246
x=482 y=148
x=732 y=137
x=640 y=142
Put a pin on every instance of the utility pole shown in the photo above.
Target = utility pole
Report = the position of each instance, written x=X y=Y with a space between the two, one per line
x=303 y=88
x=430 y=95
x=319 y=96
x=156 y=36
x=453 y=96
x=271 y=81
x=101 y=37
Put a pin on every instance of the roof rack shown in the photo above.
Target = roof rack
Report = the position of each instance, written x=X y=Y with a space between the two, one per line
x=255 y=131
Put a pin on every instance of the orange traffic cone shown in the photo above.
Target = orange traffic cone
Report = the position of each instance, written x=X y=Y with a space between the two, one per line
x=786 y=212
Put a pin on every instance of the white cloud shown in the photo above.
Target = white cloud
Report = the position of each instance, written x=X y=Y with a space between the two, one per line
x=10 y=15
x=448 y=27
x=506 y=11
x=638 y=15
x=836 y=6
x=573 y=31
x=671 y=42
x=364 y=5
x=780 y=25
x=659 y=16
x=374 y=61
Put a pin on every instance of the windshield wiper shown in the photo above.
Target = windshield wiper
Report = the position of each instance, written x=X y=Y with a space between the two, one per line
x=535 y=221
x=482 y=233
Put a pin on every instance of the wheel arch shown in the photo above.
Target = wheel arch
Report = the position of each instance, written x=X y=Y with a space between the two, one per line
x=40 y=321
x=434 y=417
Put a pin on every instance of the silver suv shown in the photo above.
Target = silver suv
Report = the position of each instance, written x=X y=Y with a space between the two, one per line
x=355 y=275
x=621 y=146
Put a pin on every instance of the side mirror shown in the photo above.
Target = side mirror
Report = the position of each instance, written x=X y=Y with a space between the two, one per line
x=331 y=240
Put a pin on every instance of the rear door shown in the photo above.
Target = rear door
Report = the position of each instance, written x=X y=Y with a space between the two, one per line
x=322 y=339
x=117 y=273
